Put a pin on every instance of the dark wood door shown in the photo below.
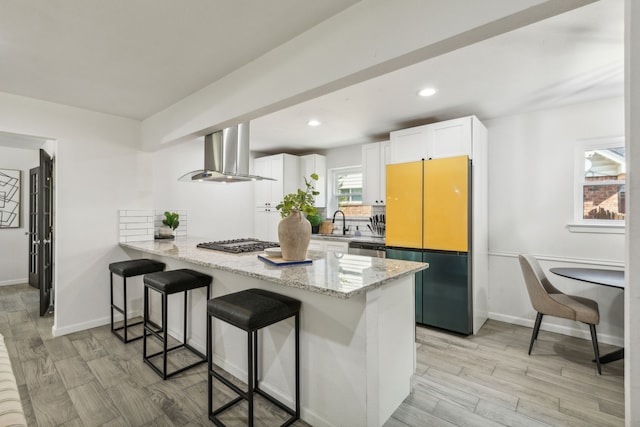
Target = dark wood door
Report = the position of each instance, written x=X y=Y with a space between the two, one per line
x=45 y=231
x=33 y=226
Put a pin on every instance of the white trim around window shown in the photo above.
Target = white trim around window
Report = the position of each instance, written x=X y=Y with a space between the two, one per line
x=580 y=224
x=332 y=201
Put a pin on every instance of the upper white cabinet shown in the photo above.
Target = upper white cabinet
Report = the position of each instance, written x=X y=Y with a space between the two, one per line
x=284 y=169
x=443 y=139
x=451 y=138
x=374 y=161
x=315 y=163
x=289 y=172
x=408 y=145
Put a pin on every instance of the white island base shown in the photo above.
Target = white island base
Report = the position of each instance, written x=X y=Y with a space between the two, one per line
x=357 y=354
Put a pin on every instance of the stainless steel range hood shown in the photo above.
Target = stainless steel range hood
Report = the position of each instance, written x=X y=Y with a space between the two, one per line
x=226 y=157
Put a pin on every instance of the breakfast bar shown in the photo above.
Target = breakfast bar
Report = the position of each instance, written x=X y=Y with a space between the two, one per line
x=357 y=327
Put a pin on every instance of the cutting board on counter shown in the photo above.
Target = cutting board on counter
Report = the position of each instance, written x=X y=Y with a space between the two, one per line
x=326 y=227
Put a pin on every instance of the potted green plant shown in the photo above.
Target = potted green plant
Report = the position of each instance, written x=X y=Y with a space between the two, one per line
x=302 y=200
x=170 y=223
x=315 y=221
x=294 y=231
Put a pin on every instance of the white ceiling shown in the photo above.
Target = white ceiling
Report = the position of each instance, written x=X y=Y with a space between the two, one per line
x=134 y=59
x=573 y=57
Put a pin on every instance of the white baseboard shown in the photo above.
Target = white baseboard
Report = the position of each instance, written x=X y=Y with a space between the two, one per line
x=21 y=281
x=77 y=327
x=560 y=329
x=117 y=317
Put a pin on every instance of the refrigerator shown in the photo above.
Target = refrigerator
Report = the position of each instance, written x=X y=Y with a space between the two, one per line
x=428 y=219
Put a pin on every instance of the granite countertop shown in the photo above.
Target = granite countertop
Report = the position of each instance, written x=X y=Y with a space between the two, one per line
x=331 y=273
x=348 y=238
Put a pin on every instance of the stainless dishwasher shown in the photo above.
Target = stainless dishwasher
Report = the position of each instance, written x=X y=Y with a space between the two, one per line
x=372 y=249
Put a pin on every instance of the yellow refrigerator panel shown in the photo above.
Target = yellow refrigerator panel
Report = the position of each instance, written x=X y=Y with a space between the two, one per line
x=446 y=204
x=404 y=205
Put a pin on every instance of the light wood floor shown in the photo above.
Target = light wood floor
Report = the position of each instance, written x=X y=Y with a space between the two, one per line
x=90 y=378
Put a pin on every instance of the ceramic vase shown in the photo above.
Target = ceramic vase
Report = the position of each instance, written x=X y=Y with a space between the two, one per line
x=165 y=232
x=294 y=234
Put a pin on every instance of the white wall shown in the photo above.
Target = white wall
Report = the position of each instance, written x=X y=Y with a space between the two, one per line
x=98 y=169
x=15 y=269
x=341 y=157
x=217 y=211
x=531 y=159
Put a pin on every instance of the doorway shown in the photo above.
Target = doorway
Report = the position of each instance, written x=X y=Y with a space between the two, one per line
x=41 y=231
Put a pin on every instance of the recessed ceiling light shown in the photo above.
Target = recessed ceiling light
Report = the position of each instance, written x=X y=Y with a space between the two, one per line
x=429 y=91
x=313 y=122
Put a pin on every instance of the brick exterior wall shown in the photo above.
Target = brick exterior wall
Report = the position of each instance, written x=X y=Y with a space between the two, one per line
x=603 y=201
x=356 y=210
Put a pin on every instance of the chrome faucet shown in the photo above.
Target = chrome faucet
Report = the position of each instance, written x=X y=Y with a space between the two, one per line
x=344 y=227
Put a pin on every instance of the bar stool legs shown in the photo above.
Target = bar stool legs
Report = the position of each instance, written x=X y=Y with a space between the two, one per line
x=122 y=310
x=161 y=333
x=252 y=310
x=125 y=269
x=167 y=283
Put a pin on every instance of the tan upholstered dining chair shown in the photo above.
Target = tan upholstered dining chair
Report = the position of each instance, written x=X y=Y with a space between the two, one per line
x=547 y=300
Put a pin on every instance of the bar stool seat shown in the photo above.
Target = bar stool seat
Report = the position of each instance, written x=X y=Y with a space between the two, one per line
x=167 y=283
x=174 y=281
x=136 y=267
x=125 y=269
x=252 y=310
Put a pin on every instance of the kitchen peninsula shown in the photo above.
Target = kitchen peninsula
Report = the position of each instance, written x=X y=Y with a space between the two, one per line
x=357 y=326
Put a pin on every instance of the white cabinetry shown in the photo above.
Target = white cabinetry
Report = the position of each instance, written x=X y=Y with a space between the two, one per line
x=408 y=145
x=315 y=163
x=438 y=140
x=451 y=138
x=332 y=246
x=266 y=222
x=374 y=168
x=267 y=194
x=315 y=245
x=328 y=246
x=281 y=167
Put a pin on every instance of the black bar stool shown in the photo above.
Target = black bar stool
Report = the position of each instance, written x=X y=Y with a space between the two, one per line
x=167 y=283
x=252 y=310
x=134 y=267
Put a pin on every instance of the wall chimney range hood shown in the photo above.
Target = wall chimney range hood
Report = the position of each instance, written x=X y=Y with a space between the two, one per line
x=226 y=157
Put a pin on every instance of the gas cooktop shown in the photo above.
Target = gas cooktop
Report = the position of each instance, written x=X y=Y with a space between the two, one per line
x=237 y=246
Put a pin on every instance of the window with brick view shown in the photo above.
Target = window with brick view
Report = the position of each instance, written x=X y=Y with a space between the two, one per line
x=347 y=192
x=603 y=184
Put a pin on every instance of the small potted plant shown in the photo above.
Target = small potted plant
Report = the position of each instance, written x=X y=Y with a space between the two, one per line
x=294 y=231
x=170 y=223
x=315 y=221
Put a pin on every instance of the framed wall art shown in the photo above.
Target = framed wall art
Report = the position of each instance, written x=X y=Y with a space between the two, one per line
x=10 y=203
